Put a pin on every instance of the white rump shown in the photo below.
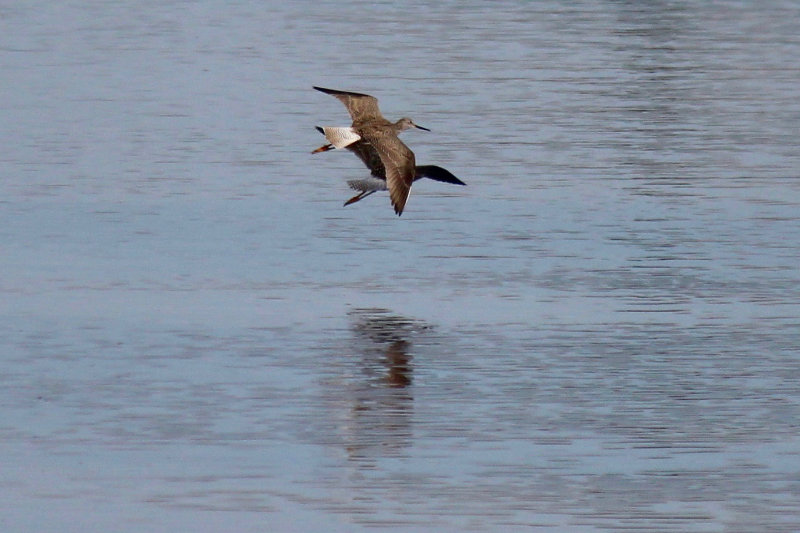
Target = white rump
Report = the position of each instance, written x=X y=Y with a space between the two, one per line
x=340 y=137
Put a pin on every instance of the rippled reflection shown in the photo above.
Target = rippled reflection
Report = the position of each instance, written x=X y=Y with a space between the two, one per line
x=378 y=330
x=374 y=390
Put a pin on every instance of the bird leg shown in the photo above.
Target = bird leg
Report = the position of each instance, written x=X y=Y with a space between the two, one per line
x=324 y=148
x=359 y=196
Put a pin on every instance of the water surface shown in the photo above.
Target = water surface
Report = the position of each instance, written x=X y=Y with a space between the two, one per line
x=598 y=333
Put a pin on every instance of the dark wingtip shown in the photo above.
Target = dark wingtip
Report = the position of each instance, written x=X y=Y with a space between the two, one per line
x=320 y=130
x=335 y=92
x=326 y=91
x=438 y=174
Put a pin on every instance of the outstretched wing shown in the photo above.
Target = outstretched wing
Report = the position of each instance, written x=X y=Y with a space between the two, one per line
x=360 y=106
x=369 y=155
x=398 y=160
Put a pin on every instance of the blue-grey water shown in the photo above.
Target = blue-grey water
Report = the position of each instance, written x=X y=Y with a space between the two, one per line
x=601 y=332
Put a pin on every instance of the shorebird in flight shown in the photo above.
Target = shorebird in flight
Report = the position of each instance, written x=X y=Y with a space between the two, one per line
x=374 y=140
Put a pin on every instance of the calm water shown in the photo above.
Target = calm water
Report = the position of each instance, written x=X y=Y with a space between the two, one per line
x=599 y=333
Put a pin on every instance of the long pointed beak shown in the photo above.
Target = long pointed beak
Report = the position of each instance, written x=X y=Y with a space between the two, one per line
x=421 y=128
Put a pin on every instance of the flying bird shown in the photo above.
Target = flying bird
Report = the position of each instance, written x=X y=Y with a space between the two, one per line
x=377 y=182
x=374 y=140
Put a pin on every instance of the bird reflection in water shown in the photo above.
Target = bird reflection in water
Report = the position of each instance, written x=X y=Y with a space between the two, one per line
x=398 y=361
x=380 y=331
x=381 y=401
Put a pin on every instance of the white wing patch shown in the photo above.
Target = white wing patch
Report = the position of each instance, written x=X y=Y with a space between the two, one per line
x=340 y=137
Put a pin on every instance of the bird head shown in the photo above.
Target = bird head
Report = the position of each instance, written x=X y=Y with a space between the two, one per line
x=406 y=123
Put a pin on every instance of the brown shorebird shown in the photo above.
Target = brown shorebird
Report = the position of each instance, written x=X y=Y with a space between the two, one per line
x=377 y=182
x=374 y=140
